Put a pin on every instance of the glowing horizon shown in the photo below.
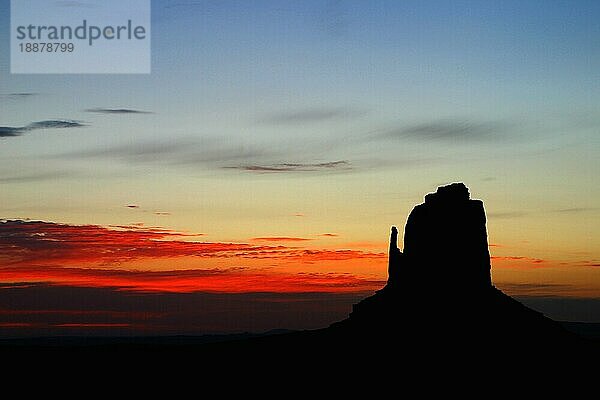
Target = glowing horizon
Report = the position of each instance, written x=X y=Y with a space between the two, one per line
x=272 y=147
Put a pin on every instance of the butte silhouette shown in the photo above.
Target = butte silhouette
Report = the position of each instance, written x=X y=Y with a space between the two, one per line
x=439 y=297
x=439 y=303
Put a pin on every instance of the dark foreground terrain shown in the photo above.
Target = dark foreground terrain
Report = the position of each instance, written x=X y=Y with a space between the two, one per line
x=585 y=336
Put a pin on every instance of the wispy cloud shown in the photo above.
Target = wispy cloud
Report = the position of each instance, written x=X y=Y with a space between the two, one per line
x=296 y=167
x=162 y=213
x=367 y=245
x=19 y=95
x=279 y=239
x=7 y=131
x=117 y=111
x=518 y=214
x=576 y=210
x=531 y=261
x=54 y=124
x=44 y=176
x=216 y=153
x=451 y=130
x=311 y=115
x=182 y=151
x=329 y=234
x=318 y=255
x=144 y=151
x=506 y=215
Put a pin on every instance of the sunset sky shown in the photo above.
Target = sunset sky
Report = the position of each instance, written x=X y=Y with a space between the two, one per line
x=250 y=181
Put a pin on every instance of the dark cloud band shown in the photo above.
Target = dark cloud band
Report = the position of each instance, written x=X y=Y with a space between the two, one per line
x=296 y=167
x=7 y=131
x=116 y=111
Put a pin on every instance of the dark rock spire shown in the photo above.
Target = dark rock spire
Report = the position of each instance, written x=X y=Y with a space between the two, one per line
x=395 y=258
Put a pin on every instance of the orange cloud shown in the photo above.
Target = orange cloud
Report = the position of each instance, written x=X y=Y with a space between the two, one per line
x=333 y=255
x=310 y=256
x=279 y=239
x=368 y=245
x=519 y=258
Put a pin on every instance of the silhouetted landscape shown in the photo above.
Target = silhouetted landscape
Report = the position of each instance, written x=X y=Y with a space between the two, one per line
x=439 y=302
x=313 y=190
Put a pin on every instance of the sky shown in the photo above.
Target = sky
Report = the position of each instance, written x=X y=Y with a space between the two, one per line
x=249 y=181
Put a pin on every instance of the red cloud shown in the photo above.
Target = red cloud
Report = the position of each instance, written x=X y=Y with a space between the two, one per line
x=15 y=324
x=48 y=243
x=232 y=280
x=93 y=325
x=590 y=263
x=27 y=242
